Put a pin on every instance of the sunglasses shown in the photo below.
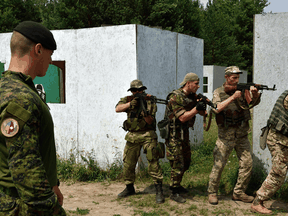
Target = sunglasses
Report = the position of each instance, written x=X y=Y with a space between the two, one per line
x=136 y=89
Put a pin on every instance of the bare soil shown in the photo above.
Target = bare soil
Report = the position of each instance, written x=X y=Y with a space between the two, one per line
x=101 y=199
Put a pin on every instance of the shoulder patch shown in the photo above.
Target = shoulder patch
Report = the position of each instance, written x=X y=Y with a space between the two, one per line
x=9 y=127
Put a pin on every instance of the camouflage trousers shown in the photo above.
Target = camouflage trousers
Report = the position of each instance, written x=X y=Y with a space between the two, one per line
x=178 y=153
x=14 y=206
x=277 y=175
x=231 y=138
x=131 y=154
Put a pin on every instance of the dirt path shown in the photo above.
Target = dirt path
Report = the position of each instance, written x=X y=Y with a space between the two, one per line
x=101 y=199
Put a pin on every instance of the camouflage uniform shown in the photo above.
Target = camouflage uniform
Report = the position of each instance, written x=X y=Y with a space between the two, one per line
x=178 y=147
x=233 y=127
x=140 y=135
x=27 y=150
x=277 y=142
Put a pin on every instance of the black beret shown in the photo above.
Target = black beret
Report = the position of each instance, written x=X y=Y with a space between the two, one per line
x=37 y=33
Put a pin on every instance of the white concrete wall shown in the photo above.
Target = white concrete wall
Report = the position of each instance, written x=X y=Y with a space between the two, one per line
x=270 y=67
x=5 y=53
x=100 y=64
x=190 y=59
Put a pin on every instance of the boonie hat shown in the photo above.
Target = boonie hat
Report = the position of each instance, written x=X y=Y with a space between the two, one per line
x=232 y=70
x=189 y=77
x=37 y=33
x=137 y=84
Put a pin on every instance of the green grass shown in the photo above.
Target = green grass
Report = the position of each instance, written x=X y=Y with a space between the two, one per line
x=196 y=178
x=80 y=211
x=87 y=170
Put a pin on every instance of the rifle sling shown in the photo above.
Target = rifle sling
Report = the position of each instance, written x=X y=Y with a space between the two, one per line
x=252 y=105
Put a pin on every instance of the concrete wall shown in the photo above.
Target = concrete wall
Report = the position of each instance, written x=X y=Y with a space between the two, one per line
x=270 y=67
x=216 y=78
x=100 y=64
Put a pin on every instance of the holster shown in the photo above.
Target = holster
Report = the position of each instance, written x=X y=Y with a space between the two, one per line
x=263 y=137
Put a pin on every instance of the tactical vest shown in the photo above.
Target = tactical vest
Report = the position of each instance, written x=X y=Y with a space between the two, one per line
x=135 y=120
x=278 y=119
x=233 y=114
x=175 y=123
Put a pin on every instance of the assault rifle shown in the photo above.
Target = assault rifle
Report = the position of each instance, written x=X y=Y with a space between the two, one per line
x=142 y=97
x=206 y=100
x=245 y=87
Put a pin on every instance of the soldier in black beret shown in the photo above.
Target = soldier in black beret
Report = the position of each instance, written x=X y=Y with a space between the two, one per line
x=37 y=33
x=28 y=172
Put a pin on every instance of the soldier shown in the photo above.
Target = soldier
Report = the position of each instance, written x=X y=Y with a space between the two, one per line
x=233 y=127
x=28 y=172
x=141 y=133
x=277 y=142
x=181 y=110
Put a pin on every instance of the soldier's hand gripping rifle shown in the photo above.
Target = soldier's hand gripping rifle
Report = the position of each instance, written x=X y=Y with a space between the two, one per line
x=245 y=87
x=208 y=102
x=205 y=100
x=141 y=98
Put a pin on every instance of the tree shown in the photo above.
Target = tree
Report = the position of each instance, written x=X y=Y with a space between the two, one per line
x=246 y=9
x=220 y=43
x=227 y=30
x=14 y=11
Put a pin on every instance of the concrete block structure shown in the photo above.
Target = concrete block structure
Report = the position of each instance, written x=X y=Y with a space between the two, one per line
x=99 y=65
x=213 y=77
x=270 y=67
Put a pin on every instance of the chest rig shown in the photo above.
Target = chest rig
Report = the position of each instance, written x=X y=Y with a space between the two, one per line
x=233 y=114
x=135 y=118
x=278 y=119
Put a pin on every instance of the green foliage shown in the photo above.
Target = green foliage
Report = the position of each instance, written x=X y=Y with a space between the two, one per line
x=86 y=170
x=221 y=47
x=166 y=169
x=227 y=30
x=80 y=211
x=282 y=193
x=14 y=11
x=225 y=25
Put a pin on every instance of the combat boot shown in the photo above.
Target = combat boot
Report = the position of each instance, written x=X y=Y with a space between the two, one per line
x=182 y=190
x=258 y=207
x=128 y=191
x=243 y=197
x=159 y=193
x=176 y=195
x=212 y=199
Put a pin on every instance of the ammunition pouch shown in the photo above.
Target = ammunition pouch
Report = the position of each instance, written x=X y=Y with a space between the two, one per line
x=229 y=118
x=125 y=125
x=280 y=127
x=164 y=127
x=220 y=118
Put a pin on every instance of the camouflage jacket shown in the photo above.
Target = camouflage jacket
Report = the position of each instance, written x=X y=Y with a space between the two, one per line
x=177 y=105
x=278 y=119
x=27 y=146
x=233 y=114
x=136 y=125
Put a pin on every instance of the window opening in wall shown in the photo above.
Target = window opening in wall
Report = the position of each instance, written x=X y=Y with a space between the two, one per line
x=1 y=68
x=205 y=84
x=54 y=82
x=205 y=89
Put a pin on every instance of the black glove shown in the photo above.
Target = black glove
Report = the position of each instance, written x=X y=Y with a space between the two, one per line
x=201 y=106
